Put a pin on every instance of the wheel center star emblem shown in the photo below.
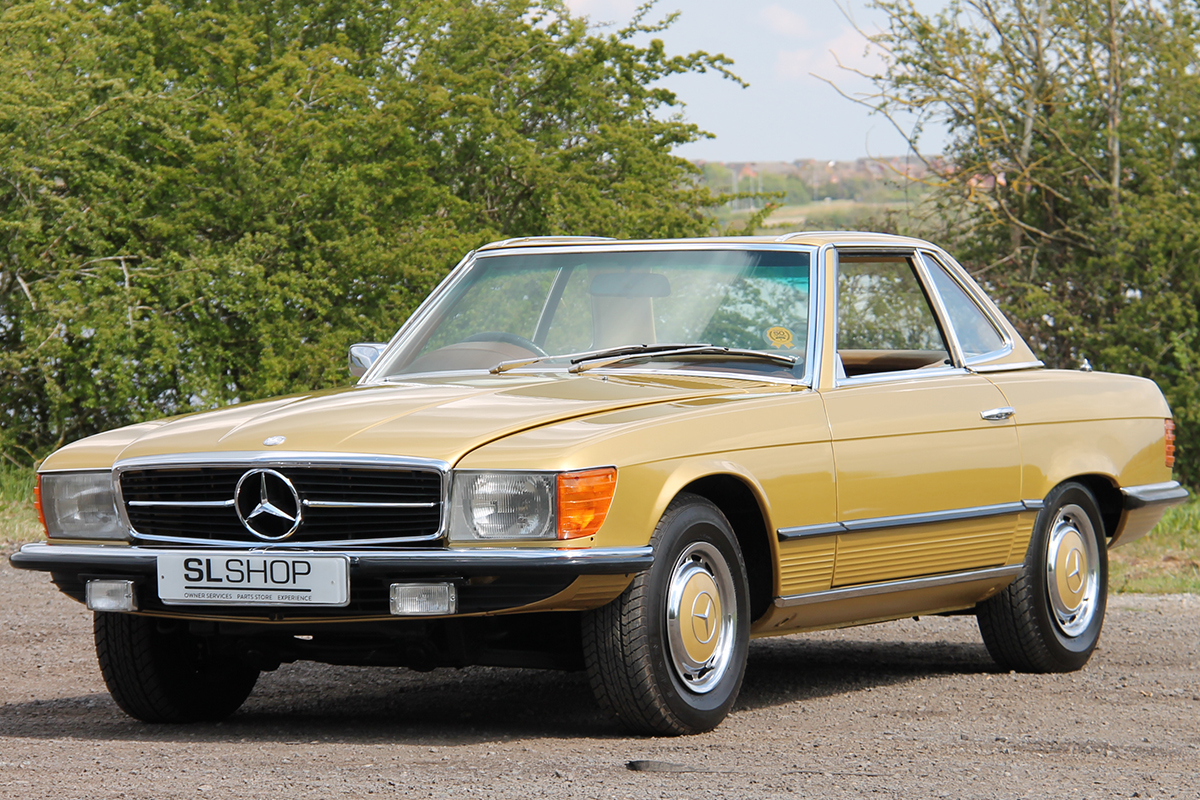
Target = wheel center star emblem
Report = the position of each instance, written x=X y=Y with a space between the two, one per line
x=1074 y=570
x=268 y=504
x=702 y=610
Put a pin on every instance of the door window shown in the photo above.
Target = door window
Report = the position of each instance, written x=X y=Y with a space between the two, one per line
x=885 y=321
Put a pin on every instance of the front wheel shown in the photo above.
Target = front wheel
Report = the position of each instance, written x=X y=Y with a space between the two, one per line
x=157 y=671
x=668 y=655
x=1049 y=618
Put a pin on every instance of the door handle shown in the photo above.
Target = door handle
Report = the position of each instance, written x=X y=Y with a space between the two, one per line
x=997 y=414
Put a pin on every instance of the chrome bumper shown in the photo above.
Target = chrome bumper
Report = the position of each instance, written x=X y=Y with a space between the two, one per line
x=67 y=558
x=1144 y=507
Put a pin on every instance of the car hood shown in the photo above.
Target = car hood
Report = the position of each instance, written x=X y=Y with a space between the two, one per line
x=439 y=419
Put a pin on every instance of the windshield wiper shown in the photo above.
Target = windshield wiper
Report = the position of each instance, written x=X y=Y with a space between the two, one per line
x=594 y=362
x=607 y=352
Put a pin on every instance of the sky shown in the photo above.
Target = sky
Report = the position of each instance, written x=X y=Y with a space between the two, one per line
x=778 y=47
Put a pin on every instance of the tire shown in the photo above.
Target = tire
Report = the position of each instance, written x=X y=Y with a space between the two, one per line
x=158 y=672
x=1049 y=618
x=656 y=656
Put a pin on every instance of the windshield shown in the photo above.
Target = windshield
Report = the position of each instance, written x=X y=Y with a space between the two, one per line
x=550 y=307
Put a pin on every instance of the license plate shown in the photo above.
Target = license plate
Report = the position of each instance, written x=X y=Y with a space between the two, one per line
x=253 y=579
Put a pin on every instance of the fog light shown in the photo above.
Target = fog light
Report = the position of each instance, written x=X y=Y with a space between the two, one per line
x=111 y=596
x=423 y=599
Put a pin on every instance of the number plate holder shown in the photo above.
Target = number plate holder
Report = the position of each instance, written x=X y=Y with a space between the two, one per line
x=241 y=578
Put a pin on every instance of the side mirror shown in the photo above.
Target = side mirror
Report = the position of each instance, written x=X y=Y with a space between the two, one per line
x=363 y=355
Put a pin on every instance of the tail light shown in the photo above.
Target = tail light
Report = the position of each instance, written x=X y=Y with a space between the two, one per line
x=1169 y=439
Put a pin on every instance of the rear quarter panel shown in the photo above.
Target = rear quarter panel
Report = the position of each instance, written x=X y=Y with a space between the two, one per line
x=1086 y=423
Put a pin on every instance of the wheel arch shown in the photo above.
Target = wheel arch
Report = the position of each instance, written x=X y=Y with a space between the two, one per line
x=741 y=505
x=1108 y=498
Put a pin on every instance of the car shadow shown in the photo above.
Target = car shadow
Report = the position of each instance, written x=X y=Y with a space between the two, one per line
x=303 y=703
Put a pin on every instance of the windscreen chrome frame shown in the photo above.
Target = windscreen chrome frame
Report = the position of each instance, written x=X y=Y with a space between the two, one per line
x=376 y=375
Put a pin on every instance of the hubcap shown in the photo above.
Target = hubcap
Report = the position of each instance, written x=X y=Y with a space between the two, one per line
x=700 y=617
x=1073 y=570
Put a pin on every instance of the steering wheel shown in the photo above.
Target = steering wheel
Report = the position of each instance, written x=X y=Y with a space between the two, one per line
x=507 y=338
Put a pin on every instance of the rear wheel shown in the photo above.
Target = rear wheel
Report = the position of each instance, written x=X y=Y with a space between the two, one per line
x=668 y=656
x=158 y=672
x=1049 y=618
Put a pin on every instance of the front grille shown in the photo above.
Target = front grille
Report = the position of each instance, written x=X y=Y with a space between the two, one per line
x=196 y=503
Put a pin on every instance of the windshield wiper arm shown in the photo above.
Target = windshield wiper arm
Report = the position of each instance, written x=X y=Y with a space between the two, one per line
x=586 y=355
x=689 y=350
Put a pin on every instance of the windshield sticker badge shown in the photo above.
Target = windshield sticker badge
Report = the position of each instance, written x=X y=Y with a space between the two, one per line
x=780 y=337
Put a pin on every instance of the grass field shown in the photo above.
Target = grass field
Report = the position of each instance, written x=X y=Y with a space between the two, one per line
x=1168 y=560
x=18 y=520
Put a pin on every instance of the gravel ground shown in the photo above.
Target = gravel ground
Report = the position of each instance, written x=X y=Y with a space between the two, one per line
x=909 y=709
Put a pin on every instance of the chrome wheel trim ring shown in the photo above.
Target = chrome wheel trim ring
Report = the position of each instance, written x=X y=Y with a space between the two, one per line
x=1072 y=570
x=699 y=568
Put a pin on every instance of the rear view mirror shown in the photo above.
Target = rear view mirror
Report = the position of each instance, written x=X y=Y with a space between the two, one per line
x=630 y=284
x=363 y=355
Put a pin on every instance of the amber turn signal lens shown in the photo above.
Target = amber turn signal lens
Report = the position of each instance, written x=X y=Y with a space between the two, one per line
x=37 y=502
x=583 y=501
x=1169 y=424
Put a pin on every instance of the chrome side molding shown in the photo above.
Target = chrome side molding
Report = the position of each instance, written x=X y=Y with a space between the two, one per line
x=906 y=520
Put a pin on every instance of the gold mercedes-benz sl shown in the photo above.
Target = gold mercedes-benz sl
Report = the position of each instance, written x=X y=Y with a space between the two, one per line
x=628 y=457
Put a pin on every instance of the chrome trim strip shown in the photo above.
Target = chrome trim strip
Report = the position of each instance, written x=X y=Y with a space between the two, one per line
x=584 y=560
x=906 y=520
x=900 y=375
x=997 y=414
x=1018 y=365
x=894 y=587
x=941 y=313
x=283 y=458
x=1167 y=493
x=183 y=503
x=950 y=515
x=286 y=458
x=342 y=504
x=809 y=531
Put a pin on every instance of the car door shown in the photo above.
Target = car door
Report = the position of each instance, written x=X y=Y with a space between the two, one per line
x=927 y=459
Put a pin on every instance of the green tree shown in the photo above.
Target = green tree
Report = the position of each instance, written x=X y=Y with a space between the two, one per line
x=207 y=202
x=1072 y=181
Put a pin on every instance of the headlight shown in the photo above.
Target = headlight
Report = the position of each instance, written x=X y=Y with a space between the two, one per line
x=530 y=505
x=80 y=505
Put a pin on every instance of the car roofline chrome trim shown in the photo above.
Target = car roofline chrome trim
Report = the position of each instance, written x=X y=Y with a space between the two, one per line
x=302 y=459
x=619 y=246
x=1167 y=493
x=907 y=520
x=895 y=587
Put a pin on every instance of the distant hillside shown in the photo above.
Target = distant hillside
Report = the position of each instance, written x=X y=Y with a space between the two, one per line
x=815 y=193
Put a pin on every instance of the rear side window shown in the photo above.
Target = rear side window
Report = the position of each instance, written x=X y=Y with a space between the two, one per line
x=976 y=334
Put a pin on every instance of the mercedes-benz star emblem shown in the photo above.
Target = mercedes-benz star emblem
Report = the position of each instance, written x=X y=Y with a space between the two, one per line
x=702 y=609
x=267 y=504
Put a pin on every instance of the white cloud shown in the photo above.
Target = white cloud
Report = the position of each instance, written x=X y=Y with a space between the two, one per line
x=784 y=21
x=831 y=60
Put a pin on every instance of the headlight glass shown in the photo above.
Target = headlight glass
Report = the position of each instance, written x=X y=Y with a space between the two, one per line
x=81 y=505
x=503 y=505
